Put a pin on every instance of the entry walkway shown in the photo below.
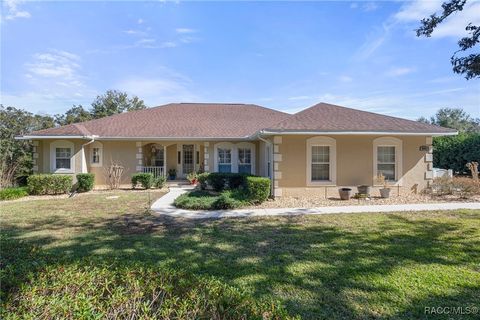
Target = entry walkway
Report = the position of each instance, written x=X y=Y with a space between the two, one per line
x=164 y=206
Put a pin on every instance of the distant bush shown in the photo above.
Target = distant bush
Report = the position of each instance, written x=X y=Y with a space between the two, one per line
x=453 y=152
x=160 y=182
x=41 y=184
x=257 y=189
x=85 y=182
x=13 y=193
x=146 y=180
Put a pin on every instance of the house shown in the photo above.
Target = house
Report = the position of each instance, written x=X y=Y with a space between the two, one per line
x=311 y=152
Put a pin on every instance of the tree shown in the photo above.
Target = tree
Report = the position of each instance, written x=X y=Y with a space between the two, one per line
x=73 y=115
x=455 y=118
x=113 y=102
x=16 y=155
x=468 y=65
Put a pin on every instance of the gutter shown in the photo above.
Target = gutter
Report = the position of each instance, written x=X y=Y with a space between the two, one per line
x=396 y=133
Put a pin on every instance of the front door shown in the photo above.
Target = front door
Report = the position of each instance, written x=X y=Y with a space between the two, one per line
x=187 y=159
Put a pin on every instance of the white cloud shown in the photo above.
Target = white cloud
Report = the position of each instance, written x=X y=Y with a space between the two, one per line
x=453 y=26
x=140 y=21
x=185 y=30
x=399 y=71
x=364 y=6
x=12 y=10
x=297 y=98
x=345 y=78
x=53 y=64
x=155 y=91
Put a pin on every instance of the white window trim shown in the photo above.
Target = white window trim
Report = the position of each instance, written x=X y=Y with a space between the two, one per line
x=389 y=142
x=247 y=145
x=325 y=142
x=98 y=145
x=61 y=144
x=233 y=154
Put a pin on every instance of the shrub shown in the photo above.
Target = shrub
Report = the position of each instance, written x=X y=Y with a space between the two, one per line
x=41 y=184
x=13 y=193
x=160 y=182
x=202 y=179
x=441 y=186
x=145 y=179
x=465 y=187
x=222 y=181
x=85 y=182
x=192 y=177
x=196 y=200
x=257 y=189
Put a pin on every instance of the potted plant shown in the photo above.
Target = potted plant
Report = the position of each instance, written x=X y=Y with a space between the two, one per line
x=192 y=177
x=172 y=174
x=364 y=189
x=345 y=193
x=385 y=191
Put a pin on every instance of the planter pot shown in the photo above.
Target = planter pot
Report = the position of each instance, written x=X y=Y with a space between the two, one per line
x=345 y=193
x=364 y=189
x=385 y=192
x=172 y=177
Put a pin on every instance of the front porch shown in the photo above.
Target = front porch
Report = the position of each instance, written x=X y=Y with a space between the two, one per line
x=164 y=158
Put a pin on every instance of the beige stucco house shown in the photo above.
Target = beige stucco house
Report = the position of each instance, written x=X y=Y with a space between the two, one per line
x=314 y=151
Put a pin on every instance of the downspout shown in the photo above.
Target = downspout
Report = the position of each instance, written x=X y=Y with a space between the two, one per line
x=84 y=159
x=270 y=173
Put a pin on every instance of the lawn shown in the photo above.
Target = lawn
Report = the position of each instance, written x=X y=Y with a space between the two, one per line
x=331 y=267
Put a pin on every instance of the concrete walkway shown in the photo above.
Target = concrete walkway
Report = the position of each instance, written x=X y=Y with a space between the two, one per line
x=164 y=206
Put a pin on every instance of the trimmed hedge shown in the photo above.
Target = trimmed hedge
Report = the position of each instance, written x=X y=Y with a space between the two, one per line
x=160 y=182
x=224 y=181
x=13 y=193
x=258 y=189
x=145 y=179
x=202 y=179
x=41 y=184
x=85 y=182
x=454 y=152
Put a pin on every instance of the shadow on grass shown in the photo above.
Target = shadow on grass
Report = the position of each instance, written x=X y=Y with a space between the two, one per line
x=319 y=267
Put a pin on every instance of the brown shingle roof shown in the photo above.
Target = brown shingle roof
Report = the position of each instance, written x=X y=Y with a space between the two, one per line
x=215 y=120
x=332 y=118
x=178 y=120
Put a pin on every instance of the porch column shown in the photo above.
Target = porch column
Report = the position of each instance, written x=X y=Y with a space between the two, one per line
x=164 y=160
x=206 y=156
x=277 y=158
x=139 y=156
x=83 y=160
x=35 y=156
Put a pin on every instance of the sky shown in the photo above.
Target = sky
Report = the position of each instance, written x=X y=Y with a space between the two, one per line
x=281 y=55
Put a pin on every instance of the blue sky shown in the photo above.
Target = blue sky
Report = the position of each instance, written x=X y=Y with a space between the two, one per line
x=282 y=55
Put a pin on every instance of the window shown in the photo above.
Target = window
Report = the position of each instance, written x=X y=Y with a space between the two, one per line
x=62 y=158
x=224 y=160
x=159 y=158
x=387 y=159
x=96 y=154
x=244 y=160
x=386 y=162
x=320 y=163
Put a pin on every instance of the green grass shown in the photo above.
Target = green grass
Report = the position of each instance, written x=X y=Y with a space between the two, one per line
x=13 y=193
x=358 y=266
